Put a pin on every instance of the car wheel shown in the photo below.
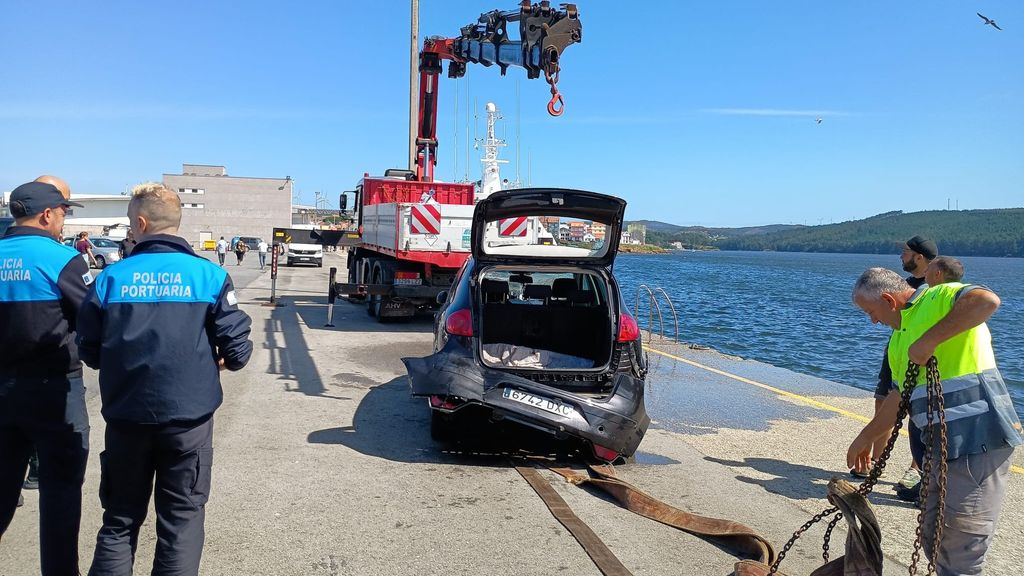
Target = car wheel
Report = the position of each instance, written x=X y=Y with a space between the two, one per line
x=290 y=263
x=443 y=427
x=319 y=263
x=101 y=262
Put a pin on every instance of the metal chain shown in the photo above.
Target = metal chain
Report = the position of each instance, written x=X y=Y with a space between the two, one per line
x=865 y=488
x=828 y=534
x=817 y=518
x=935 y=406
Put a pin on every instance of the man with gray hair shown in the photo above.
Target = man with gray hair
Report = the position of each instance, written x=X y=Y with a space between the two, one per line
x=982 y=429
x=159 y=326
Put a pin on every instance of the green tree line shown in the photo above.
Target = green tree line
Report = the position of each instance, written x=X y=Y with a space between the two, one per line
x=961 y=233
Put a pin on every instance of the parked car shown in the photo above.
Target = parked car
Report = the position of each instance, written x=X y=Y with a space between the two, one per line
x=5 y=223
x=104 y=249
x=537 y=333
x=251 y=241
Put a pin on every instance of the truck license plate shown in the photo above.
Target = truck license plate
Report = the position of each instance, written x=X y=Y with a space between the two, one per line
x=546 y=404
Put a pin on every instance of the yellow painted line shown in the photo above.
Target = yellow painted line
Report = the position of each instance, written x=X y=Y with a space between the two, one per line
x=786 y=393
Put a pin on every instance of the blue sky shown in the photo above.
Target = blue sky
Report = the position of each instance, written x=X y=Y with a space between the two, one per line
x=695 y=113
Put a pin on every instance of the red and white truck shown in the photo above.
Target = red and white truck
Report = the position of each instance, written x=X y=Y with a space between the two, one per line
x=415 y=232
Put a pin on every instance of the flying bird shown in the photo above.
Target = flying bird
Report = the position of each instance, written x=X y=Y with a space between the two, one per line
x=818 y=120
x=988 y=21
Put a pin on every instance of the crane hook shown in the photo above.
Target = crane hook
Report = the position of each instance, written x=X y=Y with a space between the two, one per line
x=556 y=106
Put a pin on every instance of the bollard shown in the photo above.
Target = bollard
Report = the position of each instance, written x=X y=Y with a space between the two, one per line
x=332 y=295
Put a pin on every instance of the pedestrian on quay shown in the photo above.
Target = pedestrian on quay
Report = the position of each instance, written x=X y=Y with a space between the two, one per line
x=944 y=269
x=915 y=257
x=84 y=248
x=240 y=249
x=948 y=322
x=125 y=247
x=222 y=250
x=42 y=395
x=262 y=249
x=159 y=400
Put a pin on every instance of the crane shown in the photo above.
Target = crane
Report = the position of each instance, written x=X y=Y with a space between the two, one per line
x=544 y=33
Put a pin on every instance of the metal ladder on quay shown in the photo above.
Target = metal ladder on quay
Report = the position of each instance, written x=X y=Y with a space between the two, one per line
x=653 y=307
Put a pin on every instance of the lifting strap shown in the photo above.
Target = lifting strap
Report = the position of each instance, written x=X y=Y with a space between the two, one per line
x=605 y=560
x=863 y=544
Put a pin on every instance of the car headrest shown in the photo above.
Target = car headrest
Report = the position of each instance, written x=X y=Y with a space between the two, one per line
x=562 y=287
x=494 y=290
x=536 y=291
x=581 y=298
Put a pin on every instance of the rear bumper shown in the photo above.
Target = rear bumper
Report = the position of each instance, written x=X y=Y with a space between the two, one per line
x=617 y=421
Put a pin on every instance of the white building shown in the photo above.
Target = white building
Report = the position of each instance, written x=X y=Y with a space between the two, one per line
x=101 y=214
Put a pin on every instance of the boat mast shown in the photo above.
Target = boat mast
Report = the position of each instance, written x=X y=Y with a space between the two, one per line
x=490 y=182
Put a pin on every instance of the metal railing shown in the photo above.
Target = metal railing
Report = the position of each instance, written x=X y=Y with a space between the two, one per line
x=654 y=307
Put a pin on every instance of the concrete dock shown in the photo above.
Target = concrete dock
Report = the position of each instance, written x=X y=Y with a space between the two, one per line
x=324 y=465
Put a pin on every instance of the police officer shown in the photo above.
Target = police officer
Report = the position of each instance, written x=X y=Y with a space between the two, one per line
x=42 y=396
x=982 y=429
x=159 y=326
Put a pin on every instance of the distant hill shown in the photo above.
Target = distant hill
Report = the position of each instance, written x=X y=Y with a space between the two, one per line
x=958 y=232
x=673 y=228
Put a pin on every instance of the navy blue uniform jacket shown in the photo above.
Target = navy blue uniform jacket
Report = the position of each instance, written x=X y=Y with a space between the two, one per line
x=42 y=285
x=155 y=325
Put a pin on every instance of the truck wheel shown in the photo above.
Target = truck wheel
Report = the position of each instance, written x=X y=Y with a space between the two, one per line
x=374 y=300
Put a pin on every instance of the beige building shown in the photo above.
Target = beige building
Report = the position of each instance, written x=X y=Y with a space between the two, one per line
x=214 y=204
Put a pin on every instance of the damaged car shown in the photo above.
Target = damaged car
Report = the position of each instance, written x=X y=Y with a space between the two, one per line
x=534 y=330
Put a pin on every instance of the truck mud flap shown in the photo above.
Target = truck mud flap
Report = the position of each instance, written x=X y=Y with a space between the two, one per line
x=397 y=308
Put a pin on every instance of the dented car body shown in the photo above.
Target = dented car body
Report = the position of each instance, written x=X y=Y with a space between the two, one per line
x=534 y=330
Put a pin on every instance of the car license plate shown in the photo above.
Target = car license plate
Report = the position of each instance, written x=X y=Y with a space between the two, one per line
x=546 y=404
x=408 y=281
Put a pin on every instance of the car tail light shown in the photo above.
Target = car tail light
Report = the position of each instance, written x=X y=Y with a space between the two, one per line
x=606 y=454
x=628 y=328
x=444 y=402
x=459 y=323
x=407 y=275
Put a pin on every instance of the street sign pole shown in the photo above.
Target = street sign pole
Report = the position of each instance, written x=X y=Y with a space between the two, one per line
x=273 y=274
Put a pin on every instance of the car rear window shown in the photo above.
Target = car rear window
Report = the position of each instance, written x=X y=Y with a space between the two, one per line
x=532 y=287
x=542 y=236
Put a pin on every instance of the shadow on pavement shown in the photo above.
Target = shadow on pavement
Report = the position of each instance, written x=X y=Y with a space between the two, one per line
x=290 y=355
x=391 y=424
x=801 y=482
x=794 y=481
x=352 y=317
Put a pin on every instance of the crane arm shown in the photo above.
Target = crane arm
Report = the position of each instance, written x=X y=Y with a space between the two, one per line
x=544 y=33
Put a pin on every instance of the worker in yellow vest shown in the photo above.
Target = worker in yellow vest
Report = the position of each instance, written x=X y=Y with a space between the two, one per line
x=948 y=322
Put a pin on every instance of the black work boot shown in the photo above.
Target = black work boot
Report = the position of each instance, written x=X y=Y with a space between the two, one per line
x=912 y=494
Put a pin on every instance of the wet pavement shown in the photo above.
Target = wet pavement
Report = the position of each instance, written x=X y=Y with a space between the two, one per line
x=324 y=465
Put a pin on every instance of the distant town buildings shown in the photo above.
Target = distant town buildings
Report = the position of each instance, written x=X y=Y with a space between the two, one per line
x=637 y=232
x=214 y=204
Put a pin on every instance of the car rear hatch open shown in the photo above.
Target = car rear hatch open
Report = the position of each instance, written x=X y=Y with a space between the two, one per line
x=547 y=225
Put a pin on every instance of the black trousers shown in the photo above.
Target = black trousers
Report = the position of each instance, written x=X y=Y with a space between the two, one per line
x=178 y=458
x=46 y=414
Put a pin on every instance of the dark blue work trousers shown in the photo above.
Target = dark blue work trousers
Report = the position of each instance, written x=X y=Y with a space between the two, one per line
x=178 y=457
x=47 y=414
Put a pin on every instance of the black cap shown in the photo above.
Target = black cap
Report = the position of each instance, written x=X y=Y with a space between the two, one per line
x=923 y=246
x=34 y=197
